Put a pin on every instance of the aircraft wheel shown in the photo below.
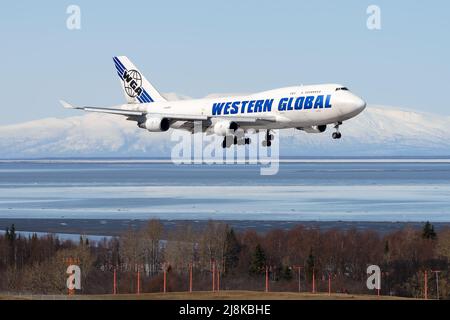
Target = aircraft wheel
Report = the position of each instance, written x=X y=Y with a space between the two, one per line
x=336 y=135
x=228 y=141
x=247 y=140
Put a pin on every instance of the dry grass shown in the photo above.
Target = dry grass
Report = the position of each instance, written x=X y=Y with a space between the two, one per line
x=207 y=295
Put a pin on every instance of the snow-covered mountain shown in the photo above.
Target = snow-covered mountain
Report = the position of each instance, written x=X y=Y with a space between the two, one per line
x=382 y=131
x=378 y=131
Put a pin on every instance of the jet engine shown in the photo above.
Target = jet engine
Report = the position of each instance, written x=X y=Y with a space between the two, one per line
x=155 y=124
x=223 y=128
x=314 y=129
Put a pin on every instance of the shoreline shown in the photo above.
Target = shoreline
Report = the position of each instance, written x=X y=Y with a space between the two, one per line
x=115 y=227
x=444 y=159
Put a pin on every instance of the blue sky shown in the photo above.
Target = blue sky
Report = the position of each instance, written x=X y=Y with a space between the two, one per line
x=200 y=47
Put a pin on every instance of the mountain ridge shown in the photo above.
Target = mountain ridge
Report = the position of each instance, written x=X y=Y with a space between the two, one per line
x=377 y=131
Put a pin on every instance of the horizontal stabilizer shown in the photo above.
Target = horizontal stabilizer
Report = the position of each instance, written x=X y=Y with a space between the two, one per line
x=67 y=105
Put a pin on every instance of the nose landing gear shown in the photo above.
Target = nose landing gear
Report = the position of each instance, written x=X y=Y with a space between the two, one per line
x=337 y=134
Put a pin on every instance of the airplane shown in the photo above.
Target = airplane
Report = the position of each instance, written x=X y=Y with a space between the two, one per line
x=310 y=108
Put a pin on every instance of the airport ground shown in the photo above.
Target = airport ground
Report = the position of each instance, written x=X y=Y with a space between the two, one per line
x=208 y=295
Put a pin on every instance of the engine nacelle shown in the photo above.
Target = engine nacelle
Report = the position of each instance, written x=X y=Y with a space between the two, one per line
x=155 y=124
x=314 y=129
x=223 y=128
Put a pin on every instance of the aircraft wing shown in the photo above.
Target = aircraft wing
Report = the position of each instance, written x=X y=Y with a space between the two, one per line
x=244 y=119
x=135 y=113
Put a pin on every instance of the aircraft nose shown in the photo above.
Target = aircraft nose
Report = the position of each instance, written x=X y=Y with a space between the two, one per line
x=358 y=104
x=354 y=105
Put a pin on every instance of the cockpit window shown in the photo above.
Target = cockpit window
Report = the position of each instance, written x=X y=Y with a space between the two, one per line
x=342 y=88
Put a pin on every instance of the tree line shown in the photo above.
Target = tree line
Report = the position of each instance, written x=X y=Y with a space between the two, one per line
x=35 y=264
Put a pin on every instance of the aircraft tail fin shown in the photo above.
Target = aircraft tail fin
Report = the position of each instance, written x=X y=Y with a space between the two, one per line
x=136 y=88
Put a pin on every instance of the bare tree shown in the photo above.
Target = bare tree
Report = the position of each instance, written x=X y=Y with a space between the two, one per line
x=131 y=250
x=151 y=237
x=212 y=245
x=181 y=247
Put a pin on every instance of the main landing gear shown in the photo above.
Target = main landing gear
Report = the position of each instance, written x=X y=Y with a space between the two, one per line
x=268 y=141
x=228 y=141
x=337 y=134
x=239 y=139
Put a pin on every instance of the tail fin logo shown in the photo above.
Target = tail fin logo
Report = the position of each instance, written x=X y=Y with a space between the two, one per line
x=132 y=81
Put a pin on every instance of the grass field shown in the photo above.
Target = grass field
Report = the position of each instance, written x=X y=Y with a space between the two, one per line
x=206 y=295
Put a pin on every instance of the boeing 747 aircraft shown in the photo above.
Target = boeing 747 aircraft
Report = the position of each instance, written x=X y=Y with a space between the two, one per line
x=309 y=108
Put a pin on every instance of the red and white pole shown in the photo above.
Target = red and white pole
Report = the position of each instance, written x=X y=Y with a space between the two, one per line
x=314 y=282
x=329 y=285
x=165 y=280
x=214 y=276
x=138 y=282
x=299 y=279
x=190 y=277
x=426 y=285
x=115 y=282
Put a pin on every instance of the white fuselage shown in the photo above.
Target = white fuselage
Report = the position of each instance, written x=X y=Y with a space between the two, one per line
x=290 y=107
